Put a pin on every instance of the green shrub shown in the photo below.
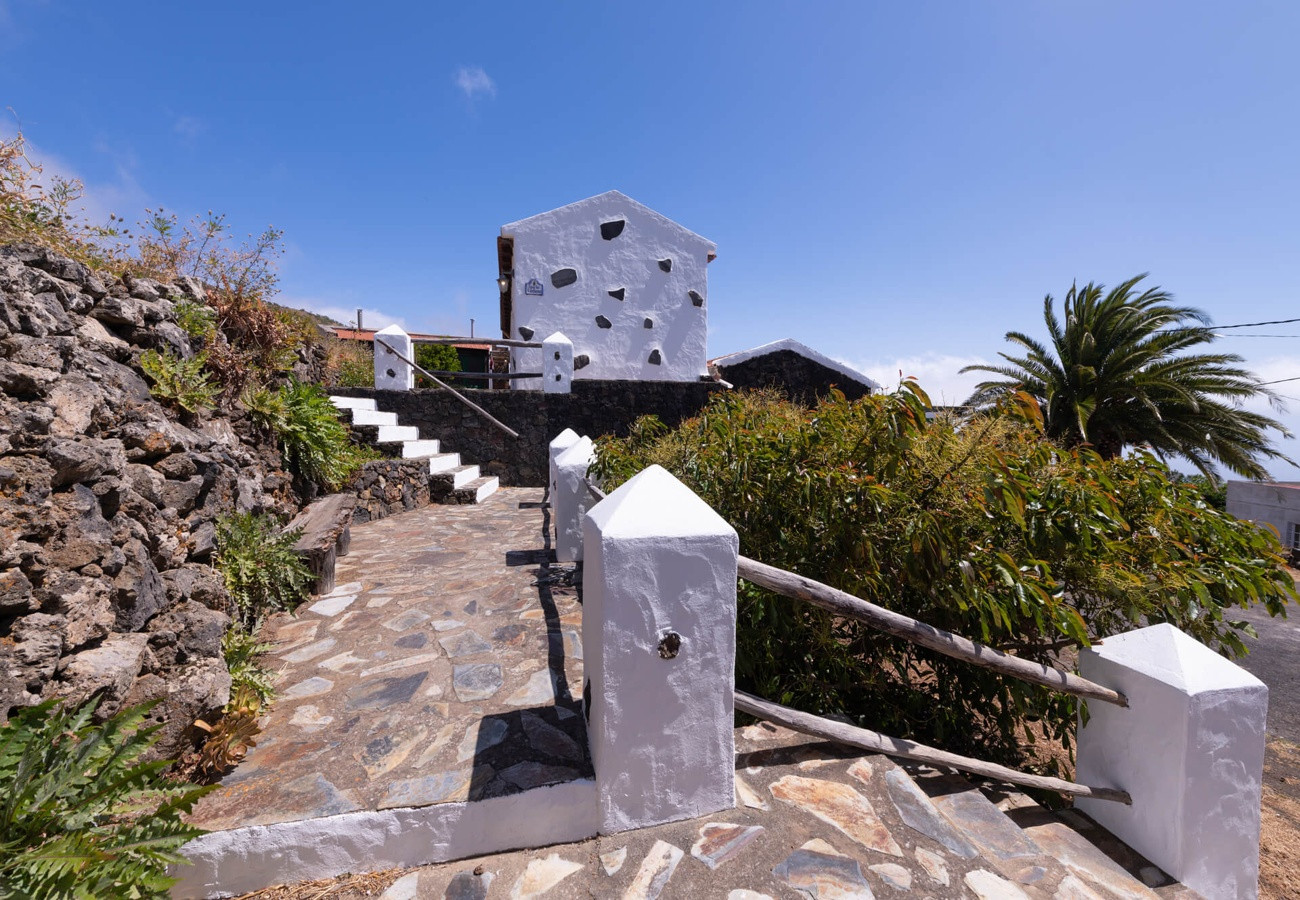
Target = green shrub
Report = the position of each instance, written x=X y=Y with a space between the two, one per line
x=435 y=358
x=350 y=364
x=80 y=814
x=258 y=564
x=198 y=320
x=315 y=442
x=181 y=382
x=985 y=529
x=242 y=651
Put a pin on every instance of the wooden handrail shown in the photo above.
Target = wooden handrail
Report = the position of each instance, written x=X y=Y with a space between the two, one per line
x=457 y=394
x=797 y=587
x=853 y=736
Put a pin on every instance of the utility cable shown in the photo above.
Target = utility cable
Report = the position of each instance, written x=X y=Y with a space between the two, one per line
x=1256 y=324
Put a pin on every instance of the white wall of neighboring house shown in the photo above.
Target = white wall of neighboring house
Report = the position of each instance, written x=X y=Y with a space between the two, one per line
x=657 y=332
x=1267 y=503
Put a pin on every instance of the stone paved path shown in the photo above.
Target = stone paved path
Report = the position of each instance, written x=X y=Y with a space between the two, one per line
x=815 y=821
x=436 y=671
x=441 y=669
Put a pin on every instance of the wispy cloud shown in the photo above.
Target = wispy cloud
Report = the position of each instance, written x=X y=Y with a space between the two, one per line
x=474 y=83
x=937 y=373
x=370 y=318
x=121 y=194
x=188 y=128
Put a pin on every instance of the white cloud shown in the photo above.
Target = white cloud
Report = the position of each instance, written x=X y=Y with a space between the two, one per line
x=188 y=128
x=370 y=318
x=121 y=194
x=937 y=373
x=474 y=82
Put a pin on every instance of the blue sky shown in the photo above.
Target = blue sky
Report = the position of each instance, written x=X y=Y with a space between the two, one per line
x=894 y=184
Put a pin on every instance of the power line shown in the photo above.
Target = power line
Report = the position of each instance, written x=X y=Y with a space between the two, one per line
x=1235 y=336
x=1279 y=381
x=1256 y=324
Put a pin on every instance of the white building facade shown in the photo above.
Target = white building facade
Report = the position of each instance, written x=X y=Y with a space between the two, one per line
x=626 y=285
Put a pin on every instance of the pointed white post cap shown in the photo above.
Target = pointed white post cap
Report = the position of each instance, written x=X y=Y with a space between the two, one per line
x=654 y=504
x=1164 y=653
x=557 y=338
x=564 y=440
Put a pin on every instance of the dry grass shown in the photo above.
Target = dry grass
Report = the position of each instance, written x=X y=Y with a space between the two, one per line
x=1279 y=851
x=345 y=887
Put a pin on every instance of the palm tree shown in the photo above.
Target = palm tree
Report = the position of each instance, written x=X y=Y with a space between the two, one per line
x=1119 y=374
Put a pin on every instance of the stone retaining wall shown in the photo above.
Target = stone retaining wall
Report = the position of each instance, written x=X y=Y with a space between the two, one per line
x=594 y=408
x=385 y=487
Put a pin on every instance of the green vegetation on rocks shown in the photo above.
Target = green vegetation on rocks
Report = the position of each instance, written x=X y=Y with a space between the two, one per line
x=81 y=815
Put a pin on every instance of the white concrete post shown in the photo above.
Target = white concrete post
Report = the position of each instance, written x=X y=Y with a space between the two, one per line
x=563 y=441
x=557 y=364
x=659 y=639
x=391 y=374
x=572 y=499
x=1190 y=751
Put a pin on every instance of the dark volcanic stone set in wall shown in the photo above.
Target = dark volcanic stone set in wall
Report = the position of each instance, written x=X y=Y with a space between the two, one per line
x=803 y=380
x=385 y=487
x=594 y=408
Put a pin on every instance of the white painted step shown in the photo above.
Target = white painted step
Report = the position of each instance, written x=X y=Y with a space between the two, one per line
x=353 y=403
x=443 y=462
x=484 y=487
x=373 y=417
x=398 y=433
x=416 y=449
x=462 y=475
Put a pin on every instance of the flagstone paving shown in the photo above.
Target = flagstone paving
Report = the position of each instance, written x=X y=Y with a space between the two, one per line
x=438 y=670
x=814 y=820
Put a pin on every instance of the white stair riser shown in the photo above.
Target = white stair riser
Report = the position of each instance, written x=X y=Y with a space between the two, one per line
x=373 y=417
x=416 y=449
x=487 y=489
x=443 y=462
x=353 y=403
x=464 y=476
x=398 y=433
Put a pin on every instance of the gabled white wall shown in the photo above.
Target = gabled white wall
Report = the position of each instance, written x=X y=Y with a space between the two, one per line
x=570 y=237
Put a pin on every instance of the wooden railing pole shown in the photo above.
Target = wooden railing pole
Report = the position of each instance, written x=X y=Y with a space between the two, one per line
x=869 y=740
x=446 y=387
x=788 y=584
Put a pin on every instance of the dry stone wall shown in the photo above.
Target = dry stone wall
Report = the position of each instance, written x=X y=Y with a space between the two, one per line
x=108 y=501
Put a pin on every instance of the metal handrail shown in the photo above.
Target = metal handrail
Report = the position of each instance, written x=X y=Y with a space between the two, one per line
x=457 y=394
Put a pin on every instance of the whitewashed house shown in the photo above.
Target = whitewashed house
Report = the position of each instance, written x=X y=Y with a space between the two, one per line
x=626 y=285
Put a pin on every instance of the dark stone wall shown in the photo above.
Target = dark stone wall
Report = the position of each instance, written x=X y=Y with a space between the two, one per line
x=801 y=379
x=387 y=486
x=594 y=408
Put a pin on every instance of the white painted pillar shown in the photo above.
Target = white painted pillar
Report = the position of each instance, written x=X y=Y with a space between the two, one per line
x=1190 y=751
x=557 y=364
x=659 y=644
x=563 y=441
x=391 y=373
x=572 y=498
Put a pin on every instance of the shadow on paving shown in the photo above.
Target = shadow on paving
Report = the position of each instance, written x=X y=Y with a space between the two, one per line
x=438 y=671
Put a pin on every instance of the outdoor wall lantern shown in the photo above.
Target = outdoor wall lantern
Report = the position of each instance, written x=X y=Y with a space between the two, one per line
x=504 y=281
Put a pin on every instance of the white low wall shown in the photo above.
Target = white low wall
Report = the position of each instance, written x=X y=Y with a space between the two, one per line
x=226 y=863
x=1190 y=752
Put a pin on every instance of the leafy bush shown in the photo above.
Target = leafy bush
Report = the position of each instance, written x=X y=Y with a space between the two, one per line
x=258 y=564
x=179 y=381
x=351 y=363
x=242 y=651
x=198 y=320
x=80 y=814
x=435 y=358
x=315 y=442
x=984 y=529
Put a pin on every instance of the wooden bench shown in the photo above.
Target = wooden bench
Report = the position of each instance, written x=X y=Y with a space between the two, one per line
x=326 y=533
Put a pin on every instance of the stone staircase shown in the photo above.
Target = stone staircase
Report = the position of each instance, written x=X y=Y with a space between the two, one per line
x=449 y=480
